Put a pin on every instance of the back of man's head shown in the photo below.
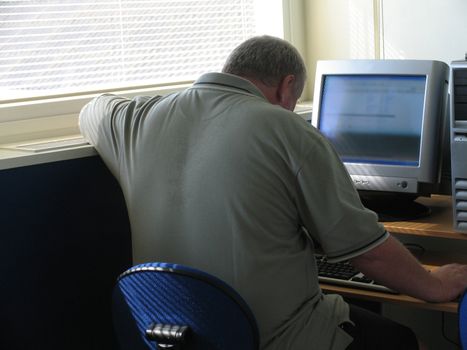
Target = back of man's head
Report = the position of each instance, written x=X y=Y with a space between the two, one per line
x=267 y=59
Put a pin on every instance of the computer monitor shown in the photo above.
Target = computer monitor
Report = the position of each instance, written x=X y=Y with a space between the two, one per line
x=387 y=121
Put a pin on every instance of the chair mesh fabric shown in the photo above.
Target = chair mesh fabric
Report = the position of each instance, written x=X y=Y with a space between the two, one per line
x=463 y=321
x=175 y=294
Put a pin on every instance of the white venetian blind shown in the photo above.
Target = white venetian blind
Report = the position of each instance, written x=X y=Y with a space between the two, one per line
x=61 y=46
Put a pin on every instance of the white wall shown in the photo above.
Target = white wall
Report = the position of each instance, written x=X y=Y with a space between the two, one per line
x=416 y=29
x=338 y=29
x=425 y=29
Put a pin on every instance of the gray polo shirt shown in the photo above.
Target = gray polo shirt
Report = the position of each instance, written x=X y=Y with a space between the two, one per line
x=217 y=178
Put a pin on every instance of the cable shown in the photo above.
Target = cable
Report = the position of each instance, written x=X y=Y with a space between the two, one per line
x=416 y=249
x=443 y=331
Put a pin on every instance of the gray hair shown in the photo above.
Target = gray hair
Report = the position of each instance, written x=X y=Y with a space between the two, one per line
x=267 y=59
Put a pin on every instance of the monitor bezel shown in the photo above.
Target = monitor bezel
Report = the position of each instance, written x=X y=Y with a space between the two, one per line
x=368 y=176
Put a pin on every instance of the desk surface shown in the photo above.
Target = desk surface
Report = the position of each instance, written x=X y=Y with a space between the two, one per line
x=438 y=224
x=387 y=297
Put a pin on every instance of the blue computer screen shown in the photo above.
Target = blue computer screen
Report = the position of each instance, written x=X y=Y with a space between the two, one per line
x=374 y=119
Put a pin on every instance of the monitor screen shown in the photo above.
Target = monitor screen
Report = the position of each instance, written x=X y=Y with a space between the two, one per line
x=374 y=119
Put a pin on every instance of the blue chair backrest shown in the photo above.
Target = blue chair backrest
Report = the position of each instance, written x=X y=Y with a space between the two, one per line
x=463 y=321
x=171 y=294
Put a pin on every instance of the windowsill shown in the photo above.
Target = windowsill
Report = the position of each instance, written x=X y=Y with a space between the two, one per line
x=37 y=130
x=14 y=158
x=52 y=120
x=52 y=129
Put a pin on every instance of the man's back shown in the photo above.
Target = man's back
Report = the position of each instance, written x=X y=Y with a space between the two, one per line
x=213 y=186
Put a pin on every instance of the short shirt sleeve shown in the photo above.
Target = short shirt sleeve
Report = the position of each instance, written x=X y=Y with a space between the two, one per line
x=108 y=121
x=330 y=207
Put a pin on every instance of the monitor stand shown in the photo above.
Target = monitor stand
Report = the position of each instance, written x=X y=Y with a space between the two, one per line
x=395 y=207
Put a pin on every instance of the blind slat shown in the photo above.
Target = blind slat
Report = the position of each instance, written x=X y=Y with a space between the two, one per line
x=75 y=46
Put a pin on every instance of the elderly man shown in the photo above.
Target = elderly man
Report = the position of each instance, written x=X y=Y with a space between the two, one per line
x=224 y=177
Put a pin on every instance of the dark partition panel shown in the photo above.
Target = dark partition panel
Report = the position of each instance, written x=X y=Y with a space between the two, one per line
x=64 y=238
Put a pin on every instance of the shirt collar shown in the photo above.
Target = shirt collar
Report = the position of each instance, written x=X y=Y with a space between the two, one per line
x=231 y=81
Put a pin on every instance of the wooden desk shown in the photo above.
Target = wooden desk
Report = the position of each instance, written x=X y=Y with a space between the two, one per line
x=438 y=224
x=387 y=297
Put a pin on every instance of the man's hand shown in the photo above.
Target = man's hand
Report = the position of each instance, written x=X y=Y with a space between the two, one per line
x=453 y=281
x=392 y=265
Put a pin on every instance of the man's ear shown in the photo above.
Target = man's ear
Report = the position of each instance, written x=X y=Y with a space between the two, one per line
x=285 y=92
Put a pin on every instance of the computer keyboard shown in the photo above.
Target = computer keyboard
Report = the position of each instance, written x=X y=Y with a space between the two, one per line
x=343 y=273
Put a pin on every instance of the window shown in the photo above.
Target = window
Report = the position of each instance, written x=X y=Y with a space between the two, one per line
x=62 y=47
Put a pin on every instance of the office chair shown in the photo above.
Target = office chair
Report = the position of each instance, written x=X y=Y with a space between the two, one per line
x=170 y=306
x=463 y=321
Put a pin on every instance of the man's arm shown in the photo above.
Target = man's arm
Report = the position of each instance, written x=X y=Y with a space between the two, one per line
x=107 y=122
x=392 y=265
x=101 y=123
